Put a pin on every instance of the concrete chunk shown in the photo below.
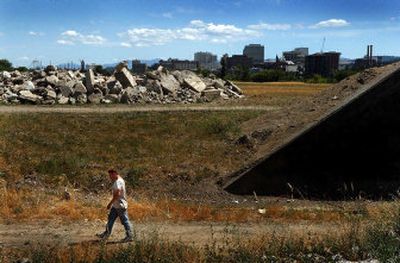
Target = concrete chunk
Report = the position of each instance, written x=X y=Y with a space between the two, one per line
x=125 y=78
x=192 y=81
x=212 y=94
x=169 y=83
x=89 y=81
x=29 y=96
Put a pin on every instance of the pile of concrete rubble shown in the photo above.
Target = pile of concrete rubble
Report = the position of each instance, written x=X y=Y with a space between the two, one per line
x=52 y=86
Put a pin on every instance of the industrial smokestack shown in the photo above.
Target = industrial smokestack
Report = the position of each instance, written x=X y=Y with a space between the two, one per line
x=370 y=52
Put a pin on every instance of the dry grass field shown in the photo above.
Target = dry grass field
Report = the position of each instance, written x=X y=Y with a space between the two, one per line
x=172 y=163
x=276 y=93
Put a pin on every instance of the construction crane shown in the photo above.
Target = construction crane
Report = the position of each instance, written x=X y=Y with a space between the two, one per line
x=323 y=45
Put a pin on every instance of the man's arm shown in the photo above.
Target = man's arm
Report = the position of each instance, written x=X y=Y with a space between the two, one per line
x=116 y=195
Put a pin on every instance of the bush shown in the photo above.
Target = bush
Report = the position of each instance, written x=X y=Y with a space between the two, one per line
x=5 y=65
x=317 y=79
x=269 y=75
x=239 y=73
x=22 y=69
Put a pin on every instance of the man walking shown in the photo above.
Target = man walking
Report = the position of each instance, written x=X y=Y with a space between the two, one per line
x=119 y=206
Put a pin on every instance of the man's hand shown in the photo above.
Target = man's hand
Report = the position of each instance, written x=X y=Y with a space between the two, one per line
x=109 y=206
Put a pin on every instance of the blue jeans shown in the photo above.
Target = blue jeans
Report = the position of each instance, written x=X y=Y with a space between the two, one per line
x=123 y=216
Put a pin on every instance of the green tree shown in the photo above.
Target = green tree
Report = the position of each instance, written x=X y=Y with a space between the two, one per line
x=270 y=75
x=100 y=70
x=22 y=69
x=5 y=65
x=223 y=65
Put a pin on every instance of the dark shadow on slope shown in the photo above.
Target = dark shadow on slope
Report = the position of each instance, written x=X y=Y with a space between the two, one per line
x=354 y=151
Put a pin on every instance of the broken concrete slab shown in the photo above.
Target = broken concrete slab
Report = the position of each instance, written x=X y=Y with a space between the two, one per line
x=125 y=78
x=169 y=83
x=89 y=81
x=192 y=81
x=159 y=86
x=28 y=96
x=128 y=95
x=79 y=88
x=211 y=94
x=234 y=87
x=65 y=90
x=52 y=80
x=28 y=85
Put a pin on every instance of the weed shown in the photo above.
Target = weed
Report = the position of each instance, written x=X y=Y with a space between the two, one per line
x=383 y=240
x=221 y=127
x=133 y=176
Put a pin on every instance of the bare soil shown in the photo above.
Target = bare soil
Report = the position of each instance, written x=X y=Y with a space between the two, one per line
x=197 y=233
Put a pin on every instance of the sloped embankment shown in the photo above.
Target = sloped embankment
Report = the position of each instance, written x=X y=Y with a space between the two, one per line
x=338 y=143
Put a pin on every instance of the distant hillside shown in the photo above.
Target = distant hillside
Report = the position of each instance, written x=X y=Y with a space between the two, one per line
x=147 y=62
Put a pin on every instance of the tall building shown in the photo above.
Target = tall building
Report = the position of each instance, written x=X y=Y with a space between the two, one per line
x=206 y=60
x=298 y=55
x=324 y=64
x=255 y=52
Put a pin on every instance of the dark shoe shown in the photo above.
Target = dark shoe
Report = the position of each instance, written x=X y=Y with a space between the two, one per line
x=127 y=239
x=103 y=235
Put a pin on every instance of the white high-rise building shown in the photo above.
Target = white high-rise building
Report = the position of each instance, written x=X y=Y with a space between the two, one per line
x=206 y=60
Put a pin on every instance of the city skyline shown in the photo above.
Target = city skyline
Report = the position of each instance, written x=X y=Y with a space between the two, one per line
x=110 y=31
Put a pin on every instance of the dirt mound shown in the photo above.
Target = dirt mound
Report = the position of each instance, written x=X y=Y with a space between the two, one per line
x=282 y=126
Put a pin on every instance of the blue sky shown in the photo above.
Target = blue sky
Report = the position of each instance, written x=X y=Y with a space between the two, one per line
x=112 y=30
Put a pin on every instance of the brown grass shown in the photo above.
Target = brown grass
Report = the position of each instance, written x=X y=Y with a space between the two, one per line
x=155 y=149
x=275 y=94
x=26 y=205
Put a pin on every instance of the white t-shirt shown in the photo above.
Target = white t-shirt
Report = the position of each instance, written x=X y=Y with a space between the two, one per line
x=121 y=202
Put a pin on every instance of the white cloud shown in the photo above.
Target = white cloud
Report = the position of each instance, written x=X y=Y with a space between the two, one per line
x=35 y=34
x=331 y=23
x=70 y=33
x=125 y=44
x=65 y=42
x=71 y=37
x=196 y=30
x=272 y=27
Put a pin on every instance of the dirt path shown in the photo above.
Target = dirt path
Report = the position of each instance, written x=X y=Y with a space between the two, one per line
x=197 y=233
x=125 y=108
